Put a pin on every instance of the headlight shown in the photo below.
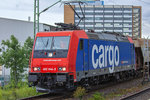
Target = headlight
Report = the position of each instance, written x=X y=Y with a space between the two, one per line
x=36 y=68
x=62 y=69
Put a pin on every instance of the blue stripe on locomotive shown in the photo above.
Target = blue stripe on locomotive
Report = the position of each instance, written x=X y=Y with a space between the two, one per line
x=84 y=57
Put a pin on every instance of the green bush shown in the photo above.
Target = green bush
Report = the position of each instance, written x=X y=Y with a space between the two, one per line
x=79 y=93
x=97 y=96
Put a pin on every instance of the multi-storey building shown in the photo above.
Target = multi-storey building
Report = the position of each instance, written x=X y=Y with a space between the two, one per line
x=124 y=19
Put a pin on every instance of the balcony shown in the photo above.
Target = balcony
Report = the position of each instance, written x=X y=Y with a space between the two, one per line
x=117 y=11
x=110 y=11
x=98 y=20
x=127 y=11
x=99 y=15
x=108 y=15
x=98 y=25
x=108 y=20
x=118 y=16
x=88 y=25
x=117 y=25
x=117 y=20
x=100 y=11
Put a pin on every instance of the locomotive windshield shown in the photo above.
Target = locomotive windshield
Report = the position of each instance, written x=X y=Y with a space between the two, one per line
x=51 y=45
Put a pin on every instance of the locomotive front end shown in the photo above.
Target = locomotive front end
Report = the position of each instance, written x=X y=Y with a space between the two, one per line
x=49 y=63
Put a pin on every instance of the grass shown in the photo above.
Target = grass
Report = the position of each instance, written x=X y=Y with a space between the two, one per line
x=97 y=96
x=121 y=92
x=8 y=93
x=115 y=94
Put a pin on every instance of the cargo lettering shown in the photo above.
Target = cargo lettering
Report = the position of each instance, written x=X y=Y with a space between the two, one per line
x=113 y=56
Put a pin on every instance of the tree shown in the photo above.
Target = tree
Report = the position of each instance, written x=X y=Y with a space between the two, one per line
x=12 y=56
x=28 y=49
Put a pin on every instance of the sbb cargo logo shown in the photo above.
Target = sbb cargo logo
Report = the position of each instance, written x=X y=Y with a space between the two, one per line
x=108 y=54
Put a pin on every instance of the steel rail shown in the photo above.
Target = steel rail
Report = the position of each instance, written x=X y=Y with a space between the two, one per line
x=47 y=95
x=136 y=94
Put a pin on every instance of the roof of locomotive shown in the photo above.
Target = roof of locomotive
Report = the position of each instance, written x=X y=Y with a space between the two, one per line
x=78 y=33
x=113 y=36
x=55 y=33
x=105 y=35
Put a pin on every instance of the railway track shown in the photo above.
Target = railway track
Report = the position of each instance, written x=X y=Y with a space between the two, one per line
x=140 y=95
x=48 y=96
x=66 y=95
x=34 y=97
x=110 y=84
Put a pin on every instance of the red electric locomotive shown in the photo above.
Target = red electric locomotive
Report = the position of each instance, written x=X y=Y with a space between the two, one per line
x=64 y=59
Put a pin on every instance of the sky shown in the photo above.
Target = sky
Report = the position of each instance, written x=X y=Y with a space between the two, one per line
x=22 y=9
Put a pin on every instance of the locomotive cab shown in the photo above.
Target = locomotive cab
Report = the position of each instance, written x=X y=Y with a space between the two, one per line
x=53 y=60
x=55 y=48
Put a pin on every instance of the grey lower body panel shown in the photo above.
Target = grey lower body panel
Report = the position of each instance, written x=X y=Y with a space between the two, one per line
x=103 y=71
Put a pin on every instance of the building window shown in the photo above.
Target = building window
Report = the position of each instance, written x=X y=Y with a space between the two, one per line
x=90 y=8
x=98 y=8
x=127 y=9
x=89 y=18
x=118 y=9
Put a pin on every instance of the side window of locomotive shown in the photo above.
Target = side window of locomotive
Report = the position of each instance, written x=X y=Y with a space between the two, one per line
x=81 y=44
x=133 y=47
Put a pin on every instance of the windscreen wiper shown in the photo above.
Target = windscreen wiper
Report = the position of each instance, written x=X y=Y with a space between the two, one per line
x=47 y=42
x=52 y=45
x=43 y=42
